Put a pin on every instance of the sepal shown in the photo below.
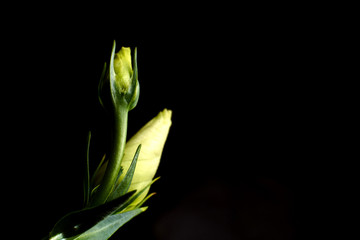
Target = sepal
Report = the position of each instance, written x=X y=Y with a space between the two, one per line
x=125 y=183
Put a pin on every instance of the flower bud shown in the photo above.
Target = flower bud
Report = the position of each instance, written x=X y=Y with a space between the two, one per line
x=152 y=138
x=124 y=82
x=123 y=69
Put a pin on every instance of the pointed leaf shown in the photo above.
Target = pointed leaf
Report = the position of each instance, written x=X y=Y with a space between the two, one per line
x=78 y=222
x=125 y=183
x=109 y=225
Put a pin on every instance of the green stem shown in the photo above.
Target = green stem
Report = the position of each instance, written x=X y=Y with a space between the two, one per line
x=114 y=165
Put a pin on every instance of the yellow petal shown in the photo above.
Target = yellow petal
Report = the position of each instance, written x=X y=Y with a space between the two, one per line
x=123 y=68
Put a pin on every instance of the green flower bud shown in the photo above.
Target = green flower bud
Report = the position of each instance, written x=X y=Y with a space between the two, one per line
x=124 y=82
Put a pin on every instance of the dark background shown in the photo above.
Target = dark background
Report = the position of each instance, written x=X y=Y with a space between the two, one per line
x=247 y=134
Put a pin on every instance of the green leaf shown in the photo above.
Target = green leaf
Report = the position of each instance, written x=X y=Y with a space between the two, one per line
x=109 y=225
x=125 y=183
x=77 y=222
x=87 y=189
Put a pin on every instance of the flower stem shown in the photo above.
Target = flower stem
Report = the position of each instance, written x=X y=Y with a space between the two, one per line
x=116 y=155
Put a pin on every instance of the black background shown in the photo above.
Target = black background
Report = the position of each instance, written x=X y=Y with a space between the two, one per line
x=247 y=133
